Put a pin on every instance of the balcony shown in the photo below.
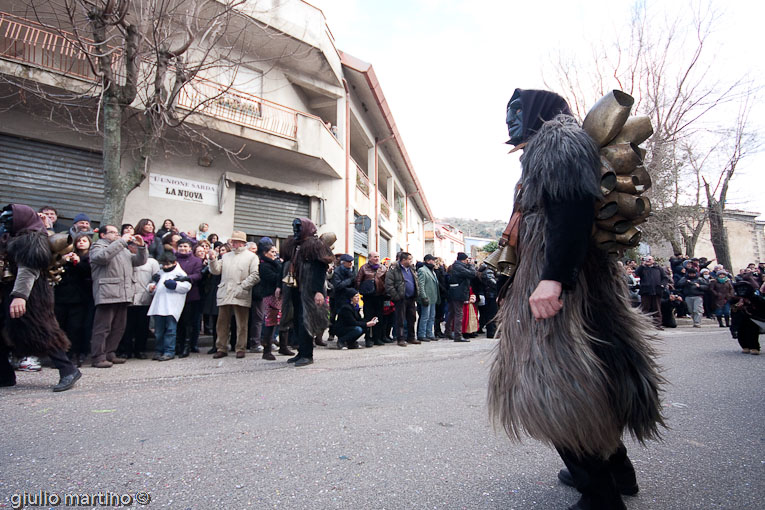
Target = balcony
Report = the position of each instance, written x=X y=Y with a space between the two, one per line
x=362 y=181
x=384 y=206
x=235 y=112
x=224 y=103
x=28 y=42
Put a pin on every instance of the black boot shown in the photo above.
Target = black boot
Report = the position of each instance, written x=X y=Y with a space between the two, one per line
x=283 y=347
x=727 y=321
x=185 y=351
x=266 y=342
x=180 y=345
x=601 y=482
x=719 y=321
x=7 y=374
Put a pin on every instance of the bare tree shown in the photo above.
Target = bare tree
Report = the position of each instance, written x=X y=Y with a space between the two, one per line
x=141 y=57
x=738 y=143
x=665 y=63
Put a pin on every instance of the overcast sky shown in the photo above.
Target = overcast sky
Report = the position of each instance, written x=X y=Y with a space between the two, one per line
x=449 y=67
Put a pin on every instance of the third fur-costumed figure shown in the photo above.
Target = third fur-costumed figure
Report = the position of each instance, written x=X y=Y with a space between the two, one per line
x=574 y=367
x=304 y=291
x=27 y=323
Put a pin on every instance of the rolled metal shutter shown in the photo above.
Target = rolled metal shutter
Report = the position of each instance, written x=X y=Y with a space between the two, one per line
x=38 y=173
x=360 y=239
x=384 y=247
x=264 y=212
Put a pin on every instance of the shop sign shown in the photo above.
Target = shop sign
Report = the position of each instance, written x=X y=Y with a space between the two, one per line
x=185 y=190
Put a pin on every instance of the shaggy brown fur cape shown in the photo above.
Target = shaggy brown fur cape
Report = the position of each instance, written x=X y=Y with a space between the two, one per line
x=577 y=380
x=311 y=258
x=37 y=332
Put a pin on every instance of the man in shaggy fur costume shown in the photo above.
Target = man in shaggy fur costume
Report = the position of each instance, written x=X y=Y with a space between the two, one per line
x=573 y=367
x=28 y=326
x=306 y=261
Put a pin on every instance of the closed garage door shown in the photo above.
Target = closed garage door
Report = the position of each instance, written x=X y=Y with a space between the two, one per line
x=360 y=239
x=38 y=173
x=263 y=212
x=384 y=247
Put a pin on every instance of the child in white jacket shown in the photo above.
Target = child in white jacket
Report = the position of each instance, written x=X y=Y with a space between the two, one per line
x=169 y=287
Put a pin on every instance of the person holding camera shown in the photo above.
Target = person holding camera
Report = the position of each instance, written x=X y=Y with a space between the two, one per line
x=349 y=326
x=111 y=265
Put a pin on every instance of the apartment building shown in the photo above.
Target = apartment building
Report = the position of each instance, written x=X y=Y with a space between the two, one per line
x=309 y=125
x=444 y=240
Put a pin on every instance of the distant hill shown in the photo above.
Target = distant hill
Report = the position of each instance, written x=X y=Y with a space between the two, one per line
x=477 y=228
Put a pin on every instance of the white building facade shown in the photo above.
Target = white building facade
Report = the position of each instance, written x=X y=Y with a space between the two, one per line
x=309 y=123
x=444 y=240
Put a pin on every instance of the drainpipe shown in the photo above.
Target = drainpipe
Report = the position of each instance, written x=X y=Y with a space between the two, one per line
x=377 y=204
x=377 y=194
x=406 y=215
x=406 y=221
x=347 y=166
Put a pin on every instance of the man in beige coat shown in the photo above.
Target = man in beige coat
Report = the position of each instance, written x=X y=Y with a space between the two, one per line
x=239 y=274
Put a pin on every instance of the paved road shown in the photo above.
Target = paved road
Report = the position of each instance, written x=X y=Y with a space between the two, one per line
x=381 y=428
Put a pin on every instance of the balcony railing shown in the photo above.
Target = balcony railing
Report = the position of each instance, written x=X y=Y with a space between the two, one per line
x=362 y=181
x=29 y=42
x=384 y=206
x=238 y=107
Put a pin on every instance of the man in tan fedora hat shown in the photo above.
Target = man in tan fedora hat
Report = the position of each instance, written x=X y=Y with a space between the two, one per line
x=239 y=274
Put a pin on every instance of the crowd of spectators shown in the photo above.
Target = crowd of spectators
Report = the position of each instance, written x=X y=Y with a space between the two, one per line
x=695 y=288
x=123 y=286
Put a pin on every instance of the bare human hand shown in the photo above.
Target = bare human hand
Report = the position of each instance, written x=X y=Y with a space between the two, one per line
x=46 y=221
x=545 y=301
x=18 y=307
x=318 y=299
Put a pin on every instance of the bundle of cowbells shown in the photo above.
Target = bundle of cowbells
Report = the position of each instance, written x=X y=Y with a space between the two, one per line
x=624 y=179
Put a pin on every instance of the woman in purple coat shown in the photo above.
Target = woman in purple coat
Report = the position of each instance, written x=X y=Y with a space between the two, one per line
x=188 y=325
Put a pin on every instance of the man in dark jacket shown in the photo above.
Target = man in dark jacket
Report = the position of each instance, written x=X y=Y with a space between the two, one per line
x=443 y=291
x=460 y=275
x=402 y=287
x=693 y=287
x=488 y=310
x=653 y=279
x=52 y=224
x=343 y=278
x=370 y=282
x=191 y=317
